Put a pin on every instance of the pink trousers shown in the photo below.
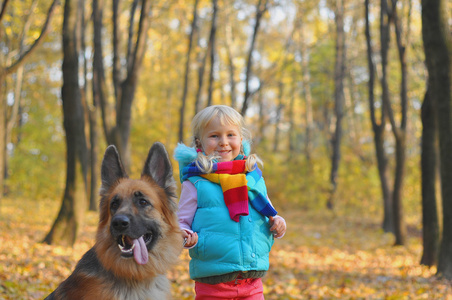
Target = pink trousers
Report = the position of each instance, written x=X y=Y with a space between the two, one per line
x=249 y=289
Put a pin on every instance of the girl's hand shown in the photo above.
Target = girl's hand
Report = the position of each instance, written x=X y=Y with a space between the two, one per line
x=190 y=238
x=278 y=226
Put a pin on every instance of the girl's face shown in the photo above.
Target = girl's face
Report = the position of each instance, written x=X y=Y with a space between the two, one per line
x=225 y=140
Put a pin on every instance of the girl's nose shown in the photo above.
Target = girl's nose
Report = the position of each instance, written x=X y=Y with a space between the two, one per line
x=223 y=141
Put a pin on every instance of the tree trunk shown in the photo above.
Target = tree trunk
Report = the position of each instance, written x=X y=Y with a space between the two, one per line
x=278 y=116
x=116 y=57
x=90 y=115
x=187 y=71
x=2 y=12
x=382 y=163
x=11 y=120
x=213 y=31
x=399 y=133
x=429 y=166
x=100 y=110
x=260 y=10
x=378 y=128
x=70 y=218
x=260 y=139
x=117 y=130
x=229 y=42
x=129 y=84
x=292 y=129
x=438 y=49
x=100 y=91
x=2 y=131
x=384 y=44
x=306 y=78
x=94 y=150
x=399 y=224
x=201 y=69
x=339 y=74
x=353 y=123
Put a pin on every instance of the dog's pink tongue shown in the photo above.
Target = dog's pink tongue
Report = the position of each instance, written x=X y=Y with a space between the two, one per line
x=140 y=252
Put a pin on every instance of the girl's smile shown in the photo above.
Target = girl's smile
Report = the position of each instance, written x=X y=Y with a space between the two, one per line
x=220 y=139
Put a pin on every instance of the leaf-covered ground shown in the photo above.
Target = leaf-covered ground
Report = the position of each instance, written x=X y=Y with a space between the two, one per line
x=322 y=256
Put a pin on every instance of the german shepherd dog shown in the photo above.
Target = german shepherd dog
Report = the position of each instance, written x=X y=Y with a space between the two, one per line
x=138 y=237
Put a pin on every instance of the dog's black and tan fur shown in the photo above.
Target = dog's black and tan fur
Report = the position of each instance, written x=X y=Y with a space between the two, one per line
x=130 y=211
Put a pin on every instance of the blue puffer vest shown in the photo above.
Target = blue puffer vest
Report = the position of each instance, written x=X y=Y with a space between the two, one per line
x=226 y=246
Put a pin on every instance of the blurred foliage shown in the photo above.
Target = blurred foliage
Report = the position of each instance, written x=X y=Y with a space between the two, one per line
x=37 y=163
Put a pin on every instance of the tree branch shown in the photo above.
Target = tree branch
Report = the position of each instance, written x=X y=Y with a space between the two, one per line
x=140 y=45
x=2 y=12
x=37 y=42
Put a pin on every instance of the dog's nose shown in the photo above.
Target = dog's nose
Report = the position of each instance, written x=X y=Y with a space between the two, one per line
x=120 y=222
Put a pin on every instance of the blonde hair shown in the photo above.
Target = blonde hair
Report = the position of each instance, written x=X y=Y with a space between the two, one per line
x=227 y=116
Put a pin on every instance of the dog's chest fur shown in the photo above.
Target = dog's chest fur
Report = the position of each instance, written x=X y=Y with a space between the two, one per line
x=157 y=289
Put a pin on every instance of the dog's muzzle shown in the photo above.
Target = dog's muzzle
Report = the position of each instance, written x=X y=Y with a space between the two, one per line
x=136 y=246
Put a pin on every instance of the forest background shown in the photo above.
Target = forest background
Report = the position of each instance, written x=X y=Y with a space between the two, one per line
x=299 y=71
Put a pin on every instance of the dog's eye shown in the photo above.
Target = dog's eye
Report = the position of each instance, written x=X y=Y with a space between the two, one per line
x=144 y=202
x=114 y=205
x=141 y=199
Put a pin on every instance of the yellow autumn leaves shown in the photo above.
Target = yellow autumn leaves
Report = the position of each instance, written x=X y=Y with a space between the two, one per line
x=322 y=256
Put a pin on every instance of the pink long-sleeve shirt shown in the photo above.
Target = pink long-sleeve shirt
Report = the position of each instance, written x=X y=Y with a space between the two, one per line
x=188 y=204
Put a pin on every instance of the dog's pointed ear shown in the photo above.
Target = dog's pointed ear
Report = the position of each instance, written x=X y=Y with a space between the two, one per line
x=112 y=168
x=158 y=167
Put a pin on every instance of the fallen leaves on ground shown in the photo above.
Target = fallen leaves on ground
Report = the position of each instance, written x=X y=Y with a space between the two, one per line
x=322 y=256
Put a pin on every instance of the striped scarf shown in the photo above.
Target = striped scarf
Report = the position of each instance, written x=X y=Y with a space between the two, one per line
x=239 y=187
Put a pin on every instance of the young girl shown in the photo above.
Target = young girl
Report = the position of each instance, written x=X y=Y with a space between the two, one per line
x=225 y=215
